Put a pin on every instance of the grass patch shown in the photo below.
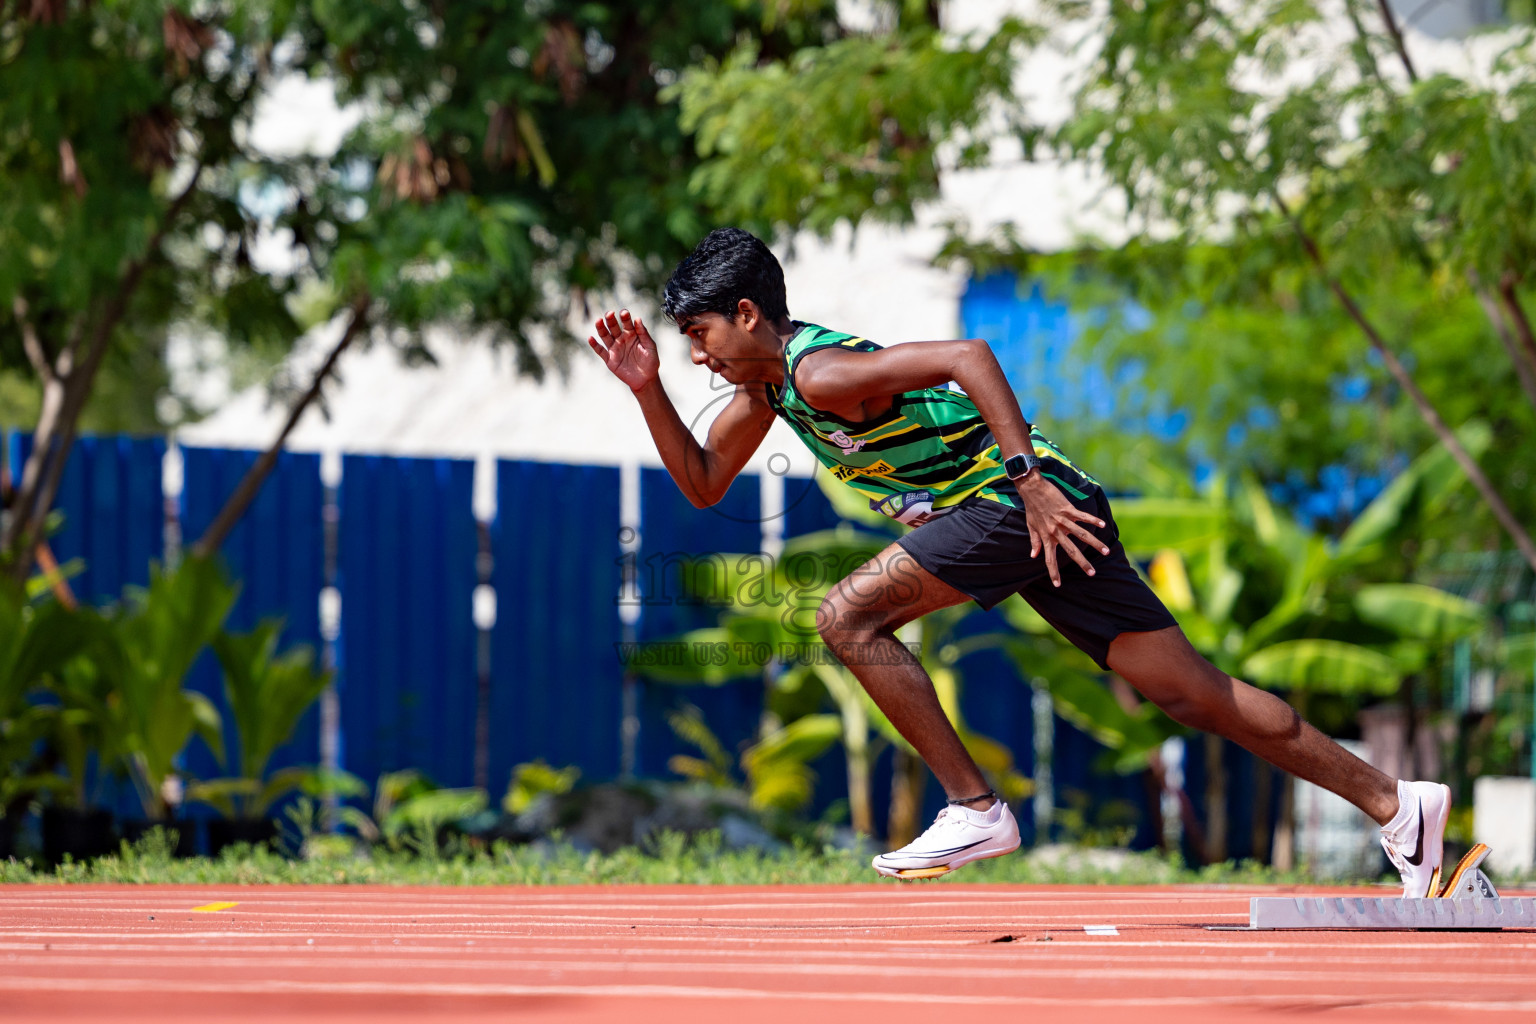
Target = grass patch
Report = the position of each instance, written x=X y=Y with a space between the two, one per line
x=671 y=860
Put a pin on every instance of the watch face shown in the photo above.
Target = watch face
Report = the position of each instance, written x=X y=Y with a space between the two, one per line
x=1018 y=465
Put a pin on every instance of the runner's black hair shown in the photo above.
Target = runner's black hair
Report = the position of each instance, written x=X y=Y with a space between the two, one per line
x=728 y=265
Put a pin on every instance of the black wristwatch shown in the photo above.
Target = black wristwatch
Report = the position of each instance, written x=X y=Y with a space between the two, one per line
x=1020 y=465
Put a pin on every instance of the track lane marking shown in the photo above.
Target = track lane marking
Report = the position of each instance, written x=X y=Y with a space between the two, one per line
x=690 y=991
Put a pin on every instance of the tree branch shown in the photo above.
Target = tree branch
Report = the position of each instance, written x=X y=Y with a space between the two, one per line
x=30 y=343
x=1525 y=362
x=1404 y=378
x=1522 y=323
x=1397 y=39
x=234 y=508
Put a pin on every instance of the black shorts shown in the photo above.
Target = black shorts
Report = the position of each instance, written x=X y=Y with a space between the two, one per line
x=982 y=550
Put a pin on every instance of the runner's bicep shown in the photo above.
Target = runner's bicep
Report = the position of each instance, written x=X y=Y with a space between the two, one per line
x=836 y=376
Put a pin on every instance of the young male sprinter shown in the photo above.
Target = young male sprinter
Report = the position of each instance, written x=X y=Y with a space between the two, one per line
x=992 y=501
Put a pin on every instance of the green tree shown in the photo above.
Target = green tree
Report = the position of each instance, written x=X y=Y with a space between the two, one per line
x=1326 y=254
x=1294 y=188
x=128 y=205
x=512 y=158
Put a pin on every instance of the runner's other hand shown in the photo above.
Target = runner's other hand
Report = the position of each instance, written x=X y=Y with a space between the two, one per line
x=1053 y=521
x=627 y=348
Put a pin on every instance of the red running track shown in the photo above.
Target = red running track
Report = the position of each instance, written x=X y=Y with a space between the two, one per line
x=921 y=953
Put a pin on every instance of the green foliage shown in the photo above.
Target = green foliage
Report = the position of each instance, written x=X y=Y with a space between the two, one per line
x=1238 y=136
x=36 y=641
x=1324 y=666
x=513 y=157
x=671 y=860
x=714 y=768
x=109 y=107
x=409 y=810
x=267 y=694
x=536 y=779
x=777 y=766
x=768 y=625
x=144 y=656
x=851 y=129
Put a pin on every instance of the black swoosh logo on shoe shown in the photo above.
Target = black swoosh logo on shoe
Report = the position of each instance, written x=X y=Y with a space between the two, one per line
x=941 y=853
x=1418 y=855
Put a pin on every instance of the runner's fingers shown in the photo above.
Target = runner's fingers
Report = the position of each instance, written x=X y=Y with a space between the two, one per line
x=1089 y=537
x=1077 y=556
x=1050 y=565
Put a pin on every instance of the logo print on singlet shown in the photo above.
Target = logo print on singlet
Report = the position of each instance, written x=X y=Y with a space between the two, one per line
x=845 y=442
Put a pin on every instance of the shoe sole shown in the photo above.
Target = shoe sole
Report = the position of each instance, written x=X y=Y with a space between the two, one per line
x=914 y=874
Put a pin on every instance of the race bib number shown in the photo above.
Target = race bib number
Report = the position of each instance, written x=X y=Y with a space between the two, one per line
x=912 y=508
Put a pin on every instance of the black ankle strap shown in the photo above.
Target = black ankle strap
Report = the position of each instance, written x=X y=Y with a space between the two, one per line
x=971 y=799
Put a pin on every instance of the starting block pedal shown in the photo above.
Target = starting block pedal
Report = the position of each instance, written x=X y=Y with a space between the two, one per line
x=1468 y=880
x=1467 y=901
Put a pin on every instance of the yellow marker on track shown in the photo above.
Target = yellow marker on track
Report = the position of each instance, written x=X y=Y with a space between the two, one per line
x=210 y=908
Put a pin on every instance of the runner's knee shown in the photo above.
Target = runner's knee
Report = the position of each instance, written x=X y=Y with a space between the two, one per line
x=839 y=620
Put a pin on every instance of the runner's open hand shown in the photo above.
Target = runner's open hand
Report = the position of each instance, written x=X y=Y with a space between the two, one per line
x=626 y=346
x=1053 y=520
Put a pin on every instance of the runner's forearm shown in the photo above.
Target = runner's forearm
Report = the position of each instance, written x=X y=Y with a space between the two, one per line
x=683 y=456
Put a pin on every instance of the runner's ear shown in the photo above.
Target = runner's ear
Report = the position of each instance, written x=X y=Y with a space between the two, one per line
x=748 y=312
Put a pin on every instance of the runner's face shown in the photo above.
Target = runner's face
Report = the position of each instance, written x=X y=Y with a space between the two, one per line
x=725 y=346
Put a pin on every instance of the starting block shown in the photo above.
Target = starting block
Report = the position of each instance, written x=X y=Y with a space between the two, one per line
x=1467 y=901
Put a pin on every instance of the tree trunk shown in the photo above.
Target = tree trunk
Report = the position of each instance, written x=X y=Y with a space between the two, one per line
x=909 y=779
x=1215 y=800
x=1283 y=855
x=235 y=507
x=860 y=813
x=1263 y=793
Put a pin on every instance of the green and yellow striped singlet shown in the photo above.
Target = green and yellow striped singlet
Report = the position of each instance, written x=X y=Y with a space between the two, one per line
x=930 y=451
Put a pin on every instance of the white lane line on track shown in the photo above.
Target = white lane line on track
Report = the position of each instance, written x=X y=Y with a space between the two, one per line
x=250 y=902
x=1026 y=953
x=1021 y=972
x=256 y=912
x=693 y=901
x=906 y=891
x=1213 y=941
x=178 y=986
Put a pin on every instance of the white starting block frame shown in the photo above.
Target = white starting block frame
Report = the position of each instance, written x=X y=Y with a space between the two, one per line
x=1268 y=913
x=1475 y=904
x=1469 y=902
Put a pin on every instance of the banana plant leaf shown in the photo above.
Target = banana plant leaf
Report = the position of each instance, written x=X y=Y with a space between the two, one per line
x=1419 y=612
x=267 y=693
x=36 y=641
x=1148 y=525
x=1428 y=482
x=1324 y=666
x=1519 y=651
x=151 y=648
